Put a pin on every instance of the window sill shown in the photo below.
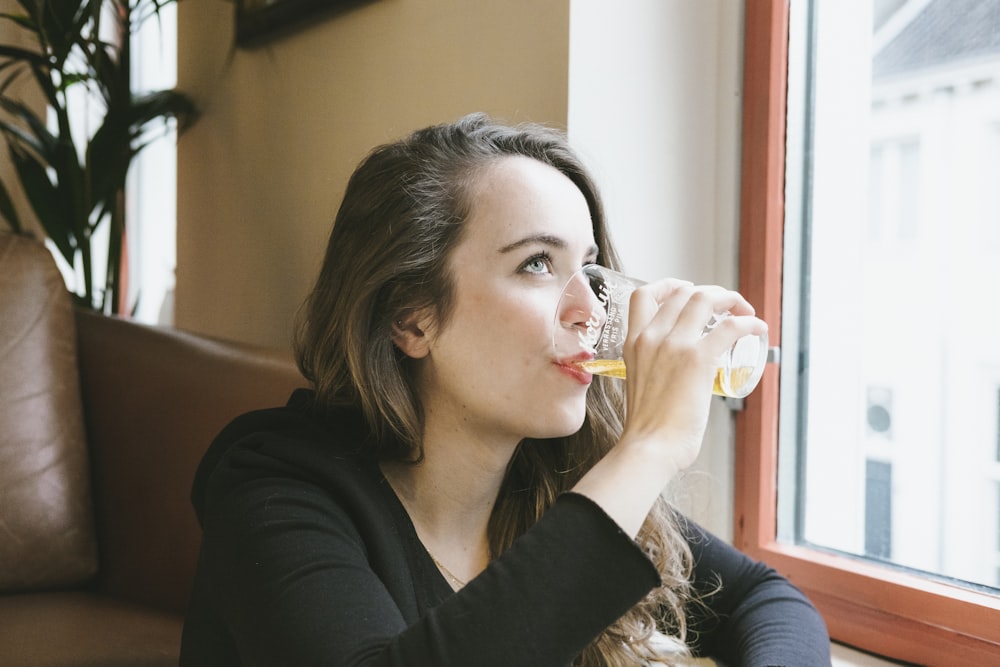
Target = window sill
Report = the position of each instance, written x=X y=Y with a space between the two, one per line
x=845 y=656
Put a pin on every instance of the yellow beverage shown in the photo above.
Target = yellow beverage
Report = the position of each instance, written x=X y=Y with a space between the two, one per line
x=616 y=368
x=738 y=377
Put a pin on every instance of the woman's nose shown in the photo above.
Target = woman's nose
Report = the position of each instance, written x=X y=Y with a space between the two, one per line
x=581 y=306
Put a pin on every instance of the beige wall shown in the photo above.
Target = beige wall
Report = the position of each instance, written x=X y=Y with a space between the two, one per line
x=262 y=172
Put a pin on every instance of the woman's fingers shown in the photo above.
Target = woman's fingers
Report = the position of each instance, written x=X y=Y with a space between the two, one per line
x=671 y=361
x=703 y=317
x=682 y=308
x=662 y=300
x=669 y=334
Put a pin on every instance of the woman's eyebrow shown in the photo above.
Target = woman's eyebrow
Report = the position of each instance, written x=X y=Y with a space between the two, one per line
x=545 y=239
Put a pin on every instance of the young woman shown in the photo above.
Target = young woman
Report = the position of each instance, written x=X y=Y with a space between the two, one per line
x=448 y=492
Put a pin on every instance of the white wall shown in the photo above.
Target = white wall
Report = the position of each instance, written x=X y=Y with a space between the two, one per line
x=654 y=105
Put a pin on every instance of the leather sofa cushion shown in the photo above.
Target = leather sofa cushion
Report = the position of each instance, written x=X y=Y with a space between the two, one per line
x=154 y=398
x=47 y=535
x=82 y=629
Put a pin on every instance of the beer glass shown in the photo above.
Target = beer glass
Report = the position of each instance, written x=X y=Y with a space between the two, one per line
x=597 y=338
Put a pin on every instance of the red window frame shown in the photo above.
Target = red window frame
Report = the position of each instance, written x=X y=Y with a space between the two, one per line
x=886 y=611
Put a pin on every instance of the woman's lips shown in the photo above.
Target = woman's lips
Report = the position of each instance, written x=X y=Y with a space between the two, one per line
x=570 y=366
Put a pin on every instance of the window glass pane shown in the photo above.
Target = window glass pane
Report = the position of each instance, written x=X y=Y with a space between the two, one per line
x=889 y=419
x=152 y=183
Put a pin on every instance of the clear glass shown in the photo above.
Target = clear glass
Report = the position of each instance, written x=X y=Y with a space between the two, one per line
x=591 y=325
x=891 y=369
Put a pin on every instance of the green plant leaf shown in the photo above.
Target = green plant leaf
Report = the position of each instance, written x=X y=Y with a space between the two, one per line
x=40 y=139
x=21 y=20
x=8 y=212
x=158 y=105
x=19 y=55
x=44 y=199
x=62 y=24
x=71 y=199
x=107 y=159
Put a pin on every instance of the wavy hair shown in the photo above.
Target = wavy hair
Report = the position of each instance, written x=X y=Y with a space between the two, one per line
x=402 y=214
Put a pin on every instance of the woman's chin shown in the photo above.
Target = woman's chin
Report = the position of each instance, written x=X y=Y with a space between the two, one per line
x=564 y=425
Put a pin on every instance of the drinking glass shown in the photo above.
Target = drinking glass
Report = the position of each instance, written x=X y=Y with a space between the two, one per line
x=592 y=322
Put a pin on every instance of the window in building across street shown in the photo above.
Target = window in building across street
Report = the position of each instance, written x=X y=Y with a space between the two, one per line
x=878 y=510
x=996 y=556
x=869 y=462
x=997 y=429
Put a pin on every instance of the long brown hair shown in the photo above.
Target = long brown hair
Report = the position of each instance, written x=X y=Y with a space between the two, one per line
x=402 y=214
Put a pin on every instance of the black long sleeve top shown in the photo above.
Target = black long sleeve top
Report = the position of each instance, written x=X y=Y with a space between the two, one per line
x=308 y=558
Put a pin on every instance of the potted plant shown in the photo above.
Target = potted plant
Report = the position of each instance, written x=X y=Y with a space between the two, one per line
x=74 y=181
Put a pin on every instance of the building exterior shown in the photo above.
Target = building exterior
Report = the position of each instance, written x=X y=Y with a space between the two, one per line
x=903 y=461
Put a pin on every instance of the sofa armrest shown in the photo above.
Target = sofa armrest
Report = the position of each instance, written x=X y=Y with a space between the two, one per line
x=47 y=537
x=153 y=400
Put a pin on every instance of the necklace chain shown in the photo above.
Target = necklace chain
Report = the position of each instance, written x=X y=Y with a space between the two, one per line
x=447 y=573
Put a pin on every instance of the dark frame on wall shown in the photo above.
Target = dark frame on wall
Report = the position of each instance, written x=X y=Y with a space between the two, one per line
x=259 y=20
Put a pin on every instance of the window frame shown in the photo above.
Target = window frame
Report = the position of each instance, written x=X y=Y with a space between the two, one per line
x=888 y=611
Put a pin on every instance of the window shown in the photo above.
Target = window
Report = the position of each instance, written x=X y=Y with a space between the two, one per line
x=863 y=462
x=152 y=182
x=878 y=510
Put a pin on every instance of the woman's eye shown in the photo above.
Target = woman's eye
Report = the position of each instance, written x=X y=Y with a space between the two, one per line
x=537 y=264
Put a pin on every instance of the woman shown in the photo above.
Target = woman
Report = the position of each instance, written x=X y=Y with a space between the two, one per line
x=448 y=493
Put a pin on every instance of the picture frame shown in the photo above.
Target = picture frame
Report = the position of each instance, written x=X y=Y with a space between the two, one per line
x=261 y=20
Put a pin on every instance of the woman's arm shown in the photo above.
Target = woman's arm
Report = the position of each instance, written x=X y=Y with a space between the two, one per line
x=747 y=614
x=671 y=365
x=299 y=576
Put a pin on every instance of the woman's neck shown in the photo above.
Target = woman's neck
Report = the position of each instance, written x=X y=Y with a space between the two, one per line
x=449 y=497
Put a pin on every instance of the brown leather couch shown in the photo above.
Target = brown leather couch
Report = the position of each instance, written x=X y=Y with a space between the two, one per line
x=102 y=424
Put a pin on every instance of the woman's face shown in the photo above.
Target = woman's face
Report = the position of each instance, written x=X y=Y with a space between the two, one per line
x=490 y=367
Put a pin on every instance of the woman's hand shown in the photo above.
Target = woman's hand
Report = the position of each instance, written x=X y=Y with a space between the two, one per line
x=672 y=364
x=671 y=367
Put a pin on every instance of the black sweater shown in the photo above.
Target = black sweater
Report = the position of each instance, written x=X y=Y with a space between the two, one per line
x=309 y=558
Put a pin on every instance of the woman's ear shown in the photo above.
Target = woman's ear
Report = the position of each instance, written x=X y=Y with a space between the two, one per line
x=410 y=333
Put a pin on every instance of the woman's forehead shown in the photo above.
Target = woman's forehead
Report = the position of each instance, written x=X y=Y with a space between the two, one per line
x=519 y=197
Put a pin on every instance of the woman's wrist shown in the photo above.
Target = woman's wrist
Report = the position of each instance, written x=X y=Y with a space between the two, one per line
x=628 y=480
